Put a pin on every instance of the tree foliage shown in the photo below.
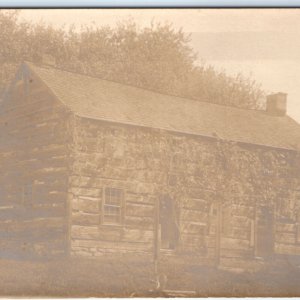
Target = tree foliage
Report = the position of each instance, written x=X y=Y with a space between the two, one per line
x=157 y=57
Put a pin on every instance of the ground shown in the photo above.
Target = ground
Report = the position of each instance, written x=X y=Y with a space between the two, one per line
x=123 y=277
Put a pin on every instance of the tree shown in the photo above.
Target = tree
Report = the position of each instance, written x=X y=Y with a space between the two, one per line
x=157 y=57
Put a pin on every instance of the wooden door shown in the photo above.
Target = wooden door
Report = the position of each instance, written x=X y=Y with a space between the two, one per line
x=168 y=223
x=264 y=232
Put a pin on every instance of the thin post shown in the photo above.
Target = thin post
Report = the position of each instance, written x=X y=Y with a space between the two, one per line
x=218 y=232
x=156 y=234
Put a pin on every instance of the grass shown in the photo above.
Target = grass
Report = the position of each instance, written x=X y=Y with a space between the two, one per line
x=123 y=277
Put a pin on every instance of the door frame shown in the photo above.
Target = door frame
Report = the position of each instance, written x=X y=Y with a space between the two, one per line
x=272 y=210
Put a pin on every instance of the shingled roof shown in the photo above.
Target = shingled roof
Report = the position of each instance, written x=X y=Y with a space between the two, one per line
x=107 y=100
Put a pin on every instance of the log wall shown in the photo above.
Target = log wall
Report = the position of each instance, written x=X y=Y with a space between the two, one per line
x=148 y=163
x=33 y=153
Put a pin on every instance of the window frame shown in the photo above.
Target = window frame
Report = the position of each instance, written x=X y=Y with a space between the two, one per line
x=121 y=207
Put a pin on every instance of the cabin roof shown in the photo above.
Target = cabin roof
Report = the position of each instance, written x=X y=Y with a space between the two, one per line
x=111 y=101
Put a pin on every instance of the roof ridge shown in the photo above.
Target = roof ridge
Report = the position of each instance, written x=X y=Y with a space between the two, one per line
x=141 y=88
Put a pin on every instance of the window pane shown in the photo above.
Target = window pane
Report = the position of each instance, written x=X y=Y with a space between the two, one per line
x=112 y=210
x=114 y=201
x=113 y=196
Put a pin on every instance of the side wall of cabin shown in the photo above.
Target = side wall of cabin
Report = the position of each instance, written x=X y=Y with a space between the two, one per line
x=220 y=190
x=34 y=171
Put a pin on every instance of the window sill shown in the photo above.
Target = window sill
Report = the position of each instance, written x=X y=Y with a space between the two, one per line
x=112 y=225
x=165 y=250
x=259 y=258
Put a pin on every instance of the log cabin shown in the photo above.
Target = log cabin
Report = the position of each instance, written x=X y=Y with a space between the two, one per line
x=92 y=167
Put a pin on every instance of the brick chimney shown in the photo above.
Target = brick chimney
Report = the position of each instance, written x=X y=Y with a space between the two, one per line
x=276 y=104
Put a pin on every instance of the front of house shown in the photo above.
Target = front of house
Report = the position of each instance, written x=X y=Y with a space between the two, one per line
x=133 y=171
x=132 y=187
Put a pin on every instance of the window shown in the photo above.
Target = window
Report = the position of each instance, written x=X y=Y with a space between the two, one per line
x=27 y=196
x=285 y=209
x=113 y=206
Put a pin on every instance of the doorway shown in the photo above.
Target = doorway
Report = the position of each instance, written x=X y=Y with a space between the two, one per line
x=264 y=232
x=168 y=220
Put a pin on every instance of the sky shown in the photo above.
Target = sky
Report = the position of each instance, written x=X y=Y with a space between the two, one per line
x=261 y=43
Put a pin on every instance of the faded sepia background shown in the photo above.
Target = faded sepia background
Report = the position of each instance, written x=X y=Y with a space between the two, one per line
x=149 y=152
x=262 y=43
